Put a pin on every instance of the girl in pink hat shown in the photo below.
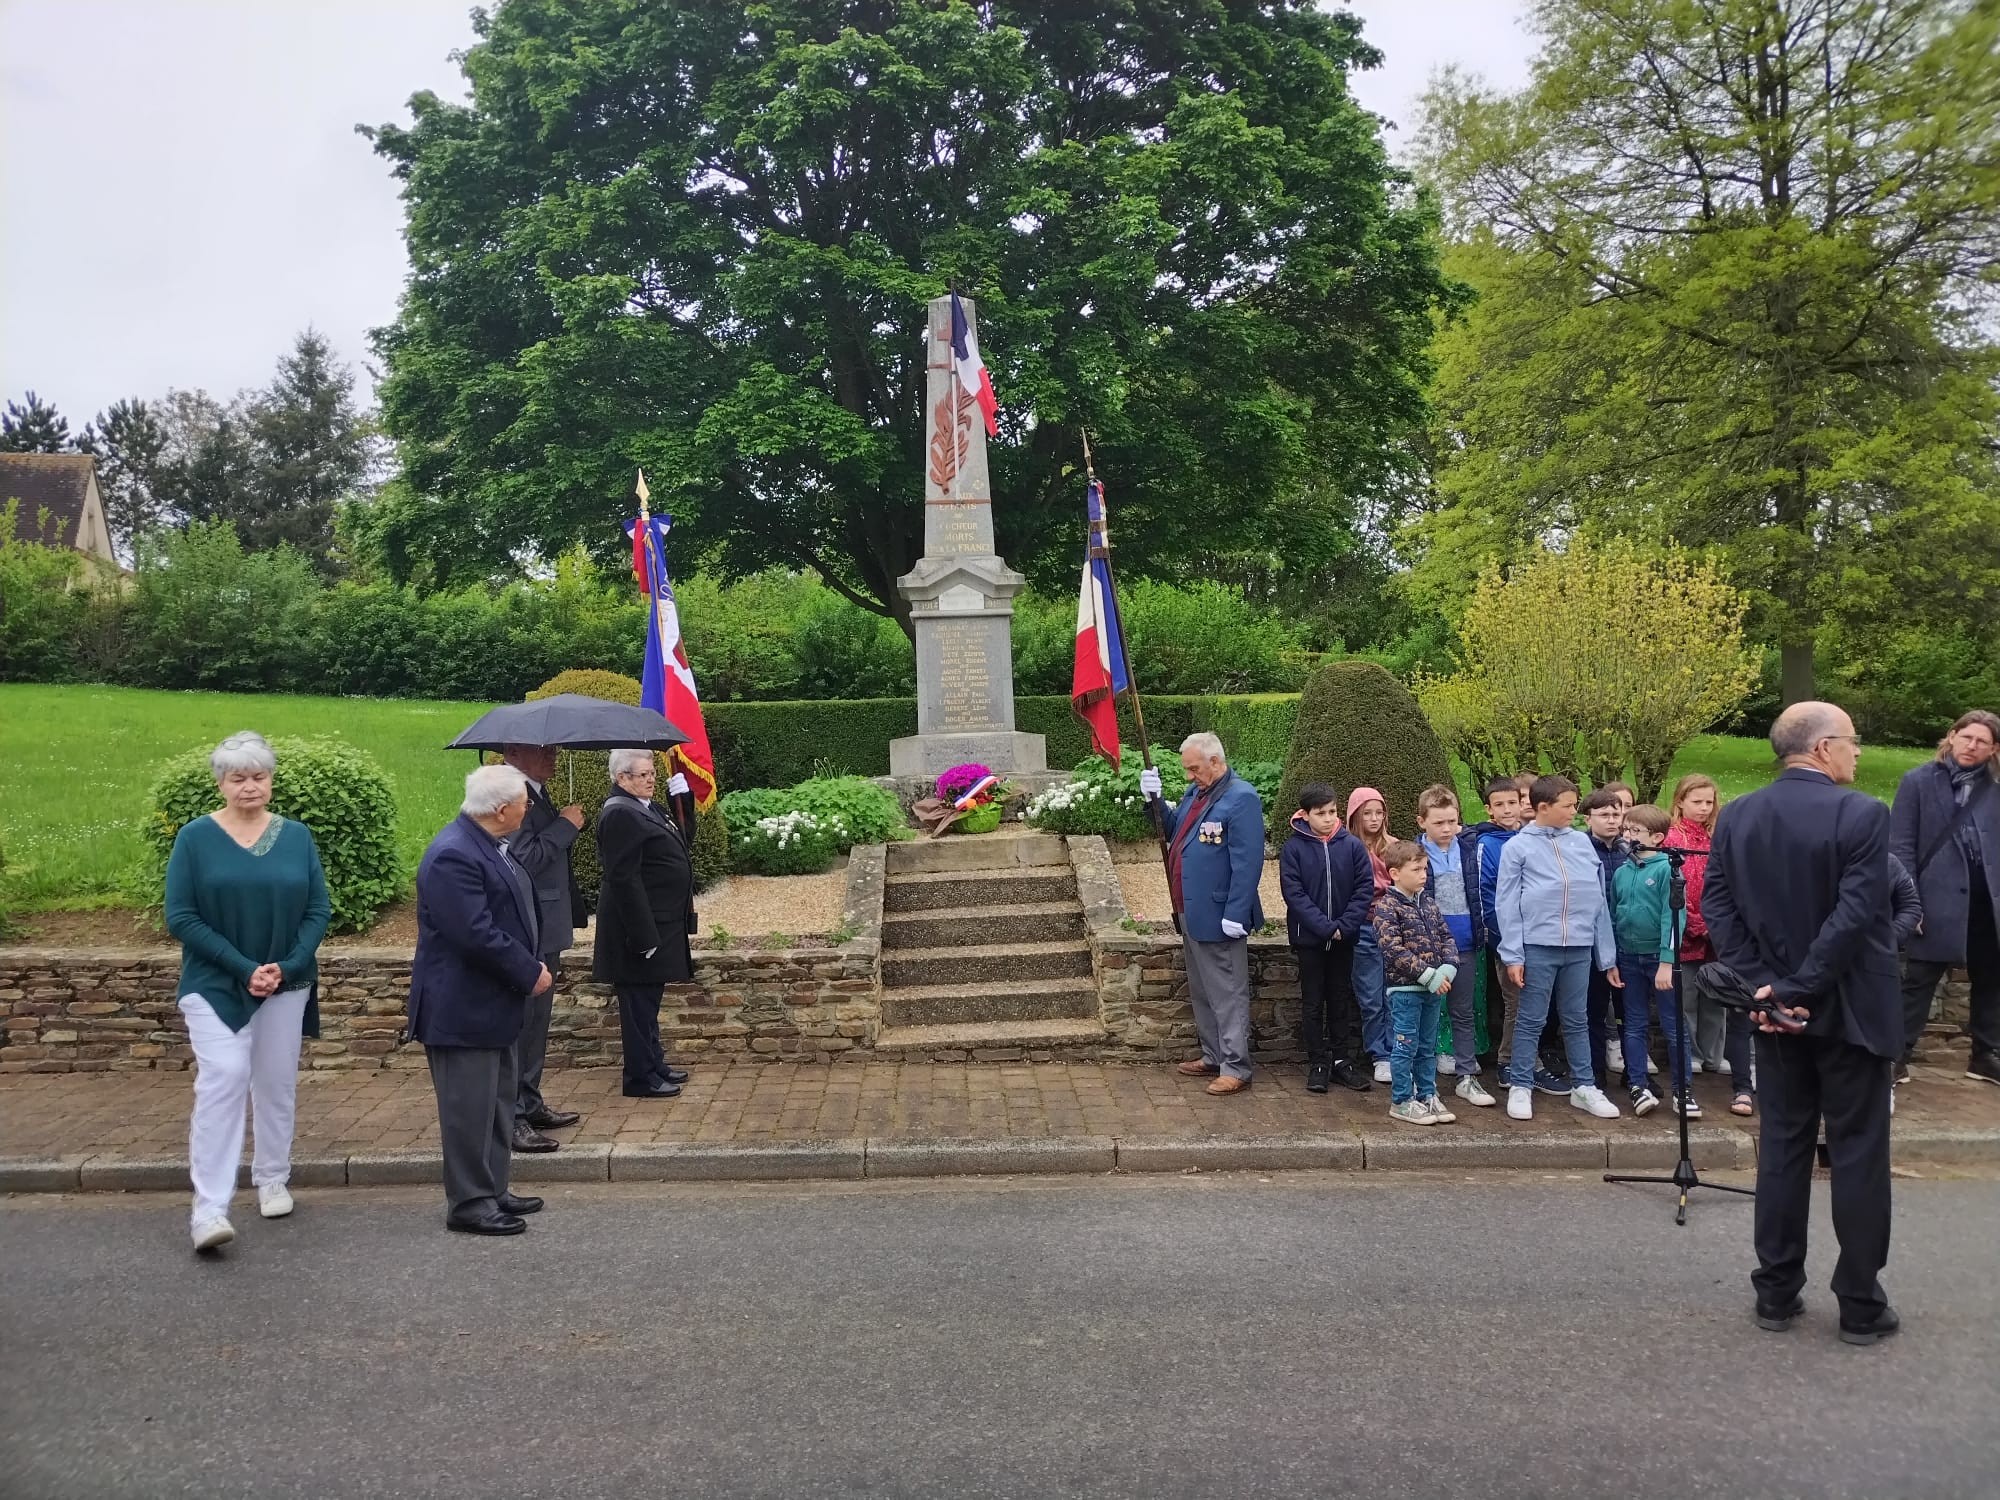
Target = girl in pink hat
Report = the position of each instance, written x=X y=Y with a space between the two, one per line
x=1368 y=820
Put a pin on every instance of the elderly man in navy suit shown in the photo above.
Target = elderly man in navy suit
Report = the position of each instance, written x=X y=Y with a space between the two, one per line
x=476 y=967
x=1797 y=902
x=1215 y=859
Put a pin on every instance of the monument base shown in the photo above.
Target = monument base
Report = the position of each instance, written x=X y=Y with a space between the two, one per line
x=1006 y=751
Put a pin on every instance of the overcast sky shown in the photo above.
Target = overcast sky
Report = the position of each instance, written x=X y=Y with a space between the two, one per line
x=183 y=189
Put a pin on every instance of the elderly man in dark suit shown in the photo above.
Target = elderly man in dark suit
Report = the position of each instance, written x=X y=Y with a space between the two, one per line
x=1797 y=902
x=476 y=967
x=645 y=910
x=541 y=846
x=1945 y=828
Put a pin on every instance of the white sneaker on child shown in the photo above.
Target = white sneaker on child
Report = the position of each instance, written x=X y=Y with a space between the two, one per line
x=1520 y=1103
x=1592 y=1101
x=212 y=1234
x=274 y=1201
x=1614 y=1056
x=1382 y=1073
x=1473 y=1092
x=1439 y=1114
x=1412 y=1112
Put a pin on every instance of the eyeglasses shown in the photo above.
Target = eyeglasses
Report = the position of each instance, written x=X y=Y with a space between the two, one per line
x=1852 y=739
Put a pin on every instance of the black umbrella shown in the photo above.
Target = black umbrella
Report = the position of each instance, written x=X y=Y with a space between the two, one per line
x=572 y=722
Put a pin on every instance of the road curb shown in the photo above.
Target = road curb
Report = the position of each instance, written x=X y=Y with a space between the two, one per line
x=852 y=1158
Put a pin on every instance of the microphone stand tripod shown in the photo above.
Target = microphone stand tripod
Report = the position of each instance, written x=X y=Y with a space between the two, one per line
x=1685 y=1178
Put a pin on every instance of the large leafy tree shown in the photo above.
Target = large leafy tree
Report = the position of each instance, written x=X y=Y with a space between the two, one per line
x=699 y=237
x=1737 y=261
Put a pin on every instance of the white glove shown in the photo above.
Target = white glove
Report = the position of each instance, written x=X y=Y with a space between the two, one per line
x=1233 y=929
x=1149 y=783
x=649 y=952
x=677 y=785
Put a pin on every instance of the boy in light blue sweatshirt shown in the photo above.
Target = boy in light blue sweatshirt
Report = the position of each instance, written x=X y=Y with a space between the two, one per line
x=1555 y=926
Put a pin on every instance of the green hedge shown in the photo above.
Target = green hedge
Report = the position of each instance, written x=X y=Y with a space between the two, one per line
x=782 y=744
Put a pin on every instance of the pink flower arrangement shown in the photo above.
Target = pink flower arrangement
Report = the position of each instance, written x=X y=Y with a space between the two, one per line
x=958 y=780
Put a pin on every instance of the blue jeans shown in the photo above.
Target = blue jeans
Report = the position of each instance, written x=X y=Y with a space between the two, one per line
x=1369 y=995
x=1642 y=1001
x=1413 y=1066
x=1561 y=975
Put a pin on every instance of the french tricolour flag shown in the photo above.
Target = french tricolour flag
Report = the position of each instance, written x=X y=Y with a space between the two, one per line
x=1100 y=646
x=667 y=682
x=970 y=368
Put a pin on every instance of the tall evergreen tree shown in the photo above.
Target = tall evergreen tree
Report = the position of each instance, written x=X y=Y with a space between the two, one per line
x=311 y=446
x=36 y=427
x=129 y=442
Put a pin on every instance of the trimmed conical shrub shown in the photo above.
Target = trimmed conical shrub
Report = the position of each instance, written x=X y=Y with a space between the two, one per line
x=584 y=777
x=1358 y=726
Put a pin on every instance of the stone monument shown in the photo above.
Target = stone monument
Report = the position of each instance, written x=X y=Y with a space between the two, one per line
x=960 y=592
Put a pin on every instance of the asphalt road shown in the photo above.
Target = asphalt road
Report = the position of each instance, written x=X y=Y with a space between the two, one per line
x=1298 y=1335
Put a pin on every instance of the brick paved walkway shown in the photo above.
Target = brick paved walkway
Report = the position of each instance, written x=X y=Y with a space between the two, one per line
x=144 y=1115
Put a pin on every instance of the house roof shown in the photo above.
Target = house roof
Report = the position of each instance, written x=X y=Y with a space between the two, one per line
x=58 y=483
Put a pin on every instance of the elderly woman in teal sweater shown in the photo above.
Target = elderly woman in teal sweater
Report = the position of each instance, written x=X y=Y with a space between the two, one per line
x=247 y=899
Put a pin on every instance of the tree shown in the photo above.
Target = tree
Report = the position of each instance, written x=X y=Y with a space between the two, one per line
x=129 y=443
x=34 y=428
x=1738 y=261
x=1358 y=726
x=312 y=450
x=699 y=239
x=1600 y=656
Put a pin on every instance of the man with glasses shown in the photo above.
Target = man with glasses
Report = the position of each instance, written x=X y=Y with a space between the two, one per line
x=1797 y=902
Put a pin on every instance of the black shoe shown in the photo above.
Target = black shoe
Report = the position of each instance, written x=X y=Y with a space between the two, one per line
x=1880 y=1327
x=529 y=1141
x=1547 y=1082
x=551 y=1119
x=1350 y=1077
x=1985 y=1066
x=674 y=1075
x=1774 y=1319
x=1316 y=1077
x=493 y=1223
x=654 y=1090
x=518 y=1204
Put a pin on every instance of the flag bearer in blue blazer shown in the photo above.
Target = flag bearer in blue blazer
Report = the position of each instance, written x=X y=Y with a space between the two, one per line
x=1215 y=859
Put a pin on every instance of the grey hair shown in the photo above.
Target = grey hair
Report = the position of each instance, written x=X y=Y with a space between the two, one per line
x=1205 y=745
x=491 y=788
x=246 y=750
x=1804 y=725
x=624 y=762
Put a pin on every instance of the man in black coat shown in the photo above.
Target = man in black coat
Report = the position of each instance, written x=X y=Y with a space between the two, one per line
x=1797 y=902
x=645 y=908
x=541 y=846
x=475 y=969
x=1945 y=828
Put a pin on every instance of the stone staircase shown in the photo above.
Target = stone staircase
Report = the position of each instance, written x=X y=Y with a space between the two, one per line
x=984 y=950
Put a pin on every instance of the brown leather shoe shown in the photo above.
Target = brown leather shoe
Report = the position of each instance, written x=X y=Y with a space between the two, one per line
x=1228 y=1085
x=1194 y=1067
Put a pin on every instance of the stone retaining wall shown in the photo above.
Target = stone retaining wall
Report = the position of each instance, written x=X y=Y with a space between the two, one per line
x=81 y=1011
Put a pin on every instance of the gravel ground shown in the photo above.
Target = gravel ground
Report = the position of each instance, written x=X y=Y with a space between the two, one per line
x=752 y=905
x=1146 y=899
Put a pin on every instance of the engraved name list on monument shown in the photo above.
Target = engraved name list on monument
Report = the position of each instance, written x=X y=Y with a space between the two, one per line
x=965 y=677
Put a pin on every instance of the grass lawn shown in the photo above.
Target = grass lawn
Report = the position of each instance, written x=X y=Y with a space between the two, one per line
x=78 y=762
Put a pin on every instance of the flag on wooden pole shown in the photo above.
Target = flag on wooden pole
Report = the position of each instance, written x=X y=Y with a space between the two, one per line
x=1099 y=675
x=667 y=682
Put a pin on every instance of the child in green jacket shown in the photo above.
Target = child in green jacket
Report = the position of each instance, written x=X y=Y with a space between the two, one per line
x=1642 y=919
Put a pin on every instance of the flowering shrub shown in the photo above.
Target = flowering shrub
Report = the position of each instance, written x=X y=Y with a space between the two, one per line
x=1102 y=798
x=791 y=843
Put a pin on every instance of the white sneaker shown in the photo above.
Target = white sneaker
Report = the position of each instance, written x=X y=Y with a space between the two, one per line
x=213 y=1234
x=1694 y=1066
x=1439 y=1114
x=274 y=1200
x=1644 y=1101
x=1651 y=1066
x=1614 y=1056
x=1520 y=1103
x=1474 y=1093
x=1592 y=1101
x=1382 y=1073
x=1721 y=1067
x=1412 y=1112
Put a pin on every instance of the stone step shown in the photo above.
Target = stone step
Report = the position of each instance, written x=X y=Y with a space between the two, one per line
x=909 y=967
x=999 y=850
x=968 y=926
x=1009 y=1039
x=945 y=890
x=1009 y=1000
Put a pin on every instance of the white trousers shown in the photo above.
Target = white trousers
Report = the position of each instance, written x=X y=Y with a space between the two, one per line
x=262 y=1061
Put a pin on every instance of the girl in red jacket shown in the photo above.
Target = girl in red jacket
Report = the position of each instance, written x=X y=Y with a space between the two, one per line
x=1720 y=1038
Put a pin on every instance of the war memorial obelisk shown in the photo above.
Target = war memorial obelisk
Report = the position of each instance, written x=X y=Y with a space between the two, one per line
x=960 y=592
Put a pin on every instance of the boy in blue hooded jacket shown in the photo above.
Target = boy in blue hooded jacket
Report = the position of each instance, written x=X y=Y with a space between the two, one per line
x=1328 y=885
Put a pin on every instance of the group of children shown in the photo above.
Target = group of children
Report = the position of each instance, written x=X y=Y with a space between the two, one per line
x=1570 y=934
